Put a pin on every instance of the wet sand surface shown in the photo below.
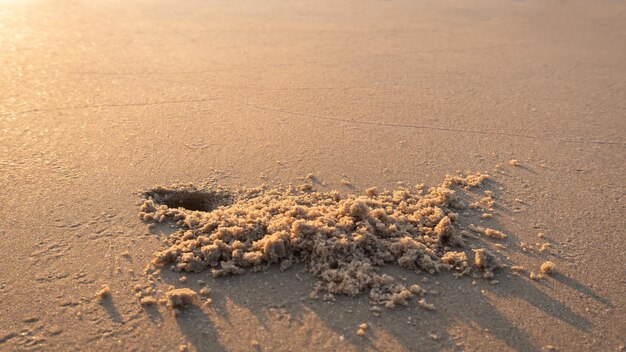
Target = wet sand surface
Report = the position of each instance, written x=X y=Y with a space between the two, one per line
x=102 y=100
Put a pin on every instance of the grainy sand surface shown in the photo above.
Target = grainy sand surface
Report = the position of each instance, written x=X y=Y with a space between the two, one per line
x=101 y=100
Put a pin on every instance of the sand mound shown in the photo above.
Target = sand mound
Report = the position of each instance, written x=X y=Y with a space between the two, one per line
x=344 y=240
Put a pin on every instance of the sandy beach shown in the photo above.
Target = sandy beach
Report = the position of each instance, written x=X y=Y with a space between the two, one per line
x=312 y=175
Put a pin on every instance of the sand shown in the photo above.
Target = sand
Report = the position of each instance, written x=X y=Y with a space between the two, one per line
x=99 y=100
x=342 y=239
x=103 y=293
x=181 y=297
x=547 y=267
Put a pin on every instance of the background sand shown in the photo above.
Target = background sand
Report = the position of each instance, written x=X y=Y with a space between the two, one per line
x=100 y=99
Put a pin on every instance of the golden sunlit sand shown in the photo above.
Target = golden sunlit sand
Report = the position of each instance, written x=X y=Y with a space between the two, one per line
x=289 y=161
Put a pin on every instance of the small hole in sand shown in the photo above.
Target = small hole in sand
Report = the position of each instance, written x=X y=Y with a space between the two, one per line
x=190 y=199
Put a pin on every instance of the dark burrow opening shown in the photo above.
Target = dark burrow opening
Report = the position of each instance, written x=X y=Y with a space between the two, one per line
x=190 y=199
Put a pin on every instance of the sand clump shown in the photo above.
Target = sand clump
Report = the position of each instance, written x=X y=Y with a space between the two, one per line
x=487 y=232
x=103 y=293
x=343 y=239
x=428 y=306
x=362 y=329
x=180 y=297
x=148 y=301
x=487 y=261
x=546 y=268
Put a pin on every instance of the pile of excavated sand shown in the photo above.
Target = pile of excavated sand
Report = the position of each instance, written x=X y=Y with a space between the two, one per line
x=343 y=240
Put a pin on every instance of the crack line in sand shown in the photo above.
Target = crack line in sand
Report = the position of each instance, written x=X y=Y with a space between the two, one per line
x=446 y=129
x=109 y=106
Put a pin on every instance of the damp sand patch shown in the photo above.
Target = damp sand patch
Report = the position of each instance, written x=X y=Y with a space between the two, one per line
x=344 y=240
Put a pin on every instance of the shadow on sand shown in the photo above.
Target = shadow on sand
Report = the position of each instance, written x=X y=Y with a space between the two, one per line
x=464 y=302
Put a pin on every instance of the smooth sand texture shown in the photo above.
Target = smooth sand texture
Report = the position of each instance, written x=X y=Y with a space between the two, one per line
x=100 y=100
